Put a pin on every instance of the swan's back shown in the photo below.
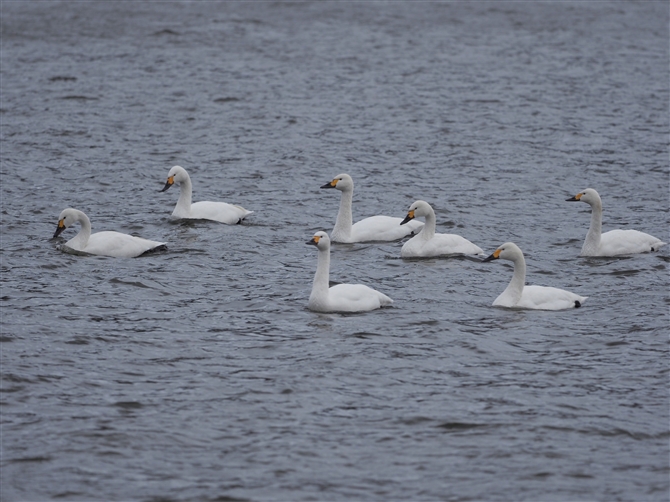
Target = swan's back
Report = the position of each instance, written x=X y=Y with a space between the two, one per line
x=439 y=245
x=622 y=242
x=383 y=228
x=355 y=298
x=119 y=245
x=218 y=211
x=542 y=298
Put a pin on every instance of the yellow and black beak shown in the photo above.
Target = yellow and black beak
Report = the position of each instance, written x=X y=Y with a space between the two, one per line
x=168 y=183
x=332 y=184
x=314 y=240
x=59 y=228
x=494 y=256
x=409 y=217
x=575 y=198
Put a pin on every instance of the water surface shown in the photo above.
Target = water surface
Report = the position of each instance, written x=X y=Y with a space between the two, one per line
x=199 y=374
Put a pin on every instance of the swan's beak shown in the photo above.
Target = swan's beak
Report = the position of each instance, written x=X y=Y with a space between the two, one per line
x=494 y=256
x=59 y=228
x=409 y=217
x=575 y=198
x=314 y=240
x=332 y=184
x=168 y=183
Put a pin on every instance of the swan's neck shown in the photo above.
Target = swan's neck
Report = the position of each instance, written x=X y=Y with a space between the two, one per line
x=342 y=229
x=183 y=208
x=428 y=231
x=321 y=278
x=592 y=241
x=514 y=289
x=79 y=241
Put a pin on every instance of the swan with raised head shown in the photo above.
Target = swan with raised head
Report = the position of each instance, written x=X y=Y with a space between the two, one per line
x=427 y=243
x=518 y=295
x=203 y=210
x=374 y=228
x=341 y=297
x=113 y=244
x=614 y=242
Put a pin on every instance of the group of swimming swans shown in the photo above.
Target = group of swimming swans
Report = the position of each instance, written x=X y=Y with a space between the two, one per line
x=424 y=243
x=119 y=245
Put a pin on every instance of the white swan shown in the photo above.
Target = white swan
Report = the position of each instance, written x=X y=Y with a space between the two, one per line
x=374 y=228
x=517 y=294
x=427 y=243
x=614 y=242
x=113 y=244
x=204 y=210
x=341 y=297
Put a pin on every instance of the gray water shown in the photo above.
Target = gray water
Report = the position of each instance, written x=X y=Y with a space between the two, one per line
x=199 y=374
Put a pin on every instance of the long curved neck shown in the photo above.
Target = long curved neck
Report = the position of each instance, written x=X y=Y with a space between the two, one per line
x=514 y=289
x=428 y=231
x=343 y=222
x=183 y=208
x=321 y=277
x=79 y=241
x=592 y=241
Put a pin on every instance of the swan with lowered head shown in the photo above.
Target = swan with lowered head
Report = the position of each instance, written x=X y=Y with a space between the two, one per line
x=518 y=295
x=341 y=297
x=615 y=242
x=374 y=228
x=427 y=243
x=113 y=244
x=203 y=210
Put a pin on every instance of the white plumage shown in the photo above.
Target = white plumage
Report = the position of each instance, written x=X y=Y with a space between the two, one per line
x=107 y=243
x=518 y=295
x=374 y=228
x=204 y=210
x=341 y=297
x=427 y=243
x=615 y=242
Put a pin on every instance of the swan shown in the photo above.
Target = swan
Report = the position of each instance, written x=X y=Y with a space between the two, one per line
x=341 y=297
x=427 y=243
x=374 y=228
x=517 y=294
x=614 y=242
x=204 y=210
x=113 y=244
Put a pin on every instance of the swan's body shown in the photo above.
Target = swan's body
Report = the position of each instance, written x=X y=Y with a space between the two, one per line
x=342 y=297
x=113 y=244
x=427 y=243
x=374 y=228
x=204 y=210
x=615 y=242
x=518 y=295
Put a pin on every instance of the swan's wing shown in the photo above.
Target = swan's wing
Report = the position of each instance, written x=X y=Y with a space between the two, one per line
x=355 y=298
x=218 y=211
x=620 y=242
x=383 y=228
x=119 y=245
x=548 y=298
x=447 y=244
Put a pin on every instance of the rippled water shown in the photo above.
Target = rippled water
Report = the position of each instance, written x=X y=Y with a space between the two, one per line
x=199 y=374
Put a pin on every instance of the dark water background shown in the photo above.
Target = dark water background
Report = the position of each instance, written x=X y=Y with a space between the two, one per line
x=199 y=374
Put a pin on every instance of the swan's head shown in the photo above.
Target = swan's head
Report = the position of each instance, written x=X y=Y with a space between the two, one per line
x=590 y=196
x=320 y=240
x=342 y=182
x=508 y=251
x=67 y=217
x=176 y=175
x=419 y=208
